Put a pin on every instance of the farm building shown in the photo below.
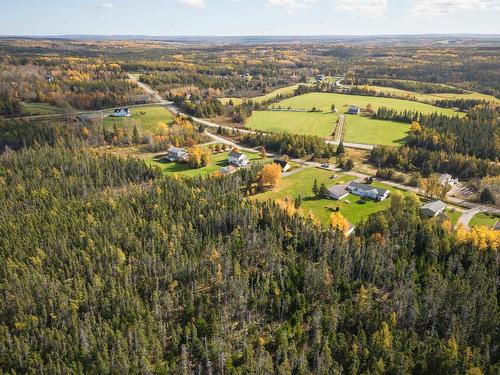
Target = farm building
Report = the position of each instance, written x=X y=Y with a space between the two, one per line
x=176 y=154
x=368 y=191
x=285 y=166
x=337 y=192
x=353 y=110
x=121 y=112
x=320 y=78
x=237 y=159
x=433 y=209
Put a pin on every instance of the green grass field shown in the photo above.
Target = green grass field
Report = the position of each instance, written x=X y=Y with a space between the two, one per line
x=483 y=220
x=324 y=101
x=453 y=215
x=40 y=109
x=359 y=129
x=369 y=131
x=320 y=124
x=217 y=161
x=146 y=118
x=301 y=184
x=258 y=99
x=430 y=97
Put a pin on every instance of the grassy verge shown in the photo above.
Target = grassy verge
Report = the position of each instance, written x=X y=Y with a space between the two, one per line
x=483 y=220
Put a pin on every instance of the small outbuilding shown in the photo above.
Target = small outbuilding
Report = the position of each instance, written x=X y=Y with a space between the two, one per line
x=497 y=225
x=433 y=209
x=121 y=112
x=353 y=110
x=285 y=166
x=337 y=192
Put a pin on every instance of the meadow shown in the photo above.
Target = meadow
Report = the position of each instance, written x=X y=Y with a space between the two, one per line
x=146 y=118
x=301 y=184
x=320 y=124
x=430 y=98
x=369 y=131
x=324 y=102
x=34 y=109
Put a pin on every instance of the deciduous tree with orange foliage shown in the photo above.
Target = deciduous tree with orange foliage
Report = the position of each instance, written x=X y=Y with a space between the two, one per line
x=270 y=175
x=198 y=157
x=339 y=222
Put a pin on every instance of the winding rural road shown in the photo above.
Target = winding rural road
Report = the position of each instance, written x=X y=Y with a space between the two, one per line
x=474 y=208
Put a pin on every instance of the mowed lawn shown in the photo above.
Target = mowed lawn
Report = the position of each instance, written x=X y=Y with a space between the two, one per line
x=320 y=124
x=369 y=131
x=217 y=161
x=146 y=118
x=324 y=102
x=483 y=220
x=301 y=183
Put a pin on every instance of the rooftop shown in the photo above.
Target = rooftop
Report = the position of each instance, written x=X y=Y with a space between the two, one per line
x=434 y=206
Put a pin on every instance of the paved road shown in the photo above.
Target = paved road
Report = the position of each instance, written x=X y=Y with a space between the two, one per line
x=149 y=90
x=453 y=200
x=467 y=217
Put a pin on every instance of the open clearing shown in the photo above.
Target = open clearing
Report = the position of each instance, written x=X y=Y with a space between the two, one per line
x=358 y=129
x=34 y=109
x=320 y=124
x=258 y=99
x=217 y=161
x=146 y=118
x=483 y=220
x=301 y=184
x=369 y=131
x=411 y=95
x=324 y=102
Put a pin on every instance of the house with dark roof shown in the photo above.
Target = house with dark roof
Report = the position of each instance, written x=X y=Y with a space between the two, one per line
x=433 y=209
x=320 y=78
x=367 y=191
x=353 y=110
x=121 y=112
x=337 y=192
x=285 y=166
x=237 y=159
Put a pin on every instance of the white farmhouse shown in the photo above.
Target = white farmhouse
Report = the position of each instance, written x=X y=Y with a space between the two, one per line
x=238 y=159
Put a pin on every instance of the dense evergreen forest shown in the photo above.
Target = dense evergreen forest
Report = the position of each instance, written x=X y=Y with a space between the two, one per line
x=108 y=267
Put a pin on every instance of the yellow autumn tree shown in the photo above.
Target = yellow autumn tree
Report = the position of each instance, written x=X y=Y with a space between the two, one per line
x=270 y=175
x=337 y=221
x=198 y=157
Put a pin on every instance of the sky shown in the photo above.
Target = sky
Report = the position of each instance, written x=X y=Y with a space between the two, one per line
x=248 y=17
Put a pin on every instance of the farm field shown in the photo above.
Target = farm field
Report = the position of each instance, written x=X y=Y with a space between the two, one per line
x=146 y=118
x=430 y=97
x=262 y=98
x=324 y=102
x=483 y=220
x=217 y=161
x=301 y=184
x=320 y=124
x=369 y=131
